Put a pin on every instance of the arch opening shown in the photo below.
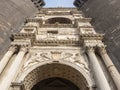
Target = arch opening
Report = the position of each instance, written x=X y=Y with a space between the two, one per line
x=59 y=20
x=55 y=84
x=55 y=70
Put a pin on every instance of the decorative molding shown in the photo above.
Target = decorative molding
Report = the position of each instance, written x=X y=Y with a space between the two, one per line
x=25 y=43
x=56 y=42
x=37 y=20
x=23 y=35
x=57 y=26
x=84 y=19
x=92 y=36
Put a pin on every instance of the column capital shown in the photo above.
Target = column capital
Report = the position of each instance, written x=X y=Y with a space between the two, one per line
x=12 y=48
x=24 y=49
x=102 y=50
x=90 y=49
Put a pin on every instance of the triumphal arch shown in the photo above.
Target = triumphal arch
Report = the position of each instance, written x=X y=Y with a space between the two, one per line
x=58 y=49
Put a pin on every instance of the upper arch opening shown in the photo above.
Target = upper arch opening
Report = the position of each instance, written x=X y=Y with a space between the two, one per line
x=59 y=20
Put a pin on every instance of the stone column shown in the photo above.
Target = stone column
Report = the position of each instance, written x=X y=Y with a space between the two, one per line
x=10 y=74
x=110 y=66
x=98 y=73
x=6 y=58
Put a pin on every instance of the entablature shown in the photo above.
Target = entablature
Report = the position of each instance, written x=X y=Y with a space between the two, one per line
x=84 y=20
x=21 y=42
x=57 y=25
x=57 y=32
x=85 y=26
x=57 y=43
x=37 y=20
x=93 y=43
x=29 y=29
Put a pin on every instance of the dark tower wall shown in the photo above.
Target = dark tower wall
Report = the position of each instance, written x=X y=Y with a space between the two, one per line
x=106 y=19
x=12 y=14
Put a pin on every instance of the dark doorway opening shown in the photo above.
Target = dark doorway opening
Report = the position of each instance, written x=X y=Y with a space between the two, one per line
x=59 y=20
x=55 y=84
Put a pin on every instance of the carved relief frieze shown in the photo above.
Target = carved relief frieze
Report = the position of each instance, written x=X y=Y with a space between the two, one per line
x=57 y=37
x=55 y=55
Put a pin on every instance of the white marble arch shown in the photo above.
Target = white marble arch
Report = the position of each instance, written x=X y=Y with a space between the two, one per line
x=73 y=68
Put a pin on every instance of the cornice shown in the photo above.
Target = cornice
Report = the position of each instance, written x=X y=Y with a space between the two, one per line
x=84 y=20
x=57 y=26
x=92 y=36
x=56 y=43
x=23 y=43
x=23 y=35
x=30 y=26
x=33 y=20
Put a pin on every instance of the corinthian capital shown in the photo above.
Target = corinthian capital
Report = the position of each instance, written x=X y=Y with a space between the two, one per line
x=13 y=48
x=23 y=48
x=102 y=50
x=90 y=49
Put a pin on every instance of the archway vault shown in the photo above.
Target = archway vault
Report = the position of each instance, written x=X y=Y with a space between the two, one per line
x=55 y=84
x=64 y=70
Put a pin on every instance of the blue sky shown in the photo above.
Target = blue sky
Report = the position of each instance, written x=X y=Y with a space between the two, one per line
x=59 y=3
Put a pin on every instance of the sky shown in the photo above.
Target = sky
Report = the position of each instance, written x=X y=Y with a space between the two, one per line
x=59 y=3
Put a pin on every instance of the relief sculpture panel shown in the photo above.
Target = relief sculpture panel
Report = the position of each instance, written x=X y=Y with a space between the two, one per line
x=56 y=55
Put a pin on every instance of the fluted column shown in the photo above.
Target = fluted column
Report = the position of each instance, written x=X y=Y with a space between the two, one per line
x=6 y=58
x=100 y=78
x=110 y=66
x=6 y=81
